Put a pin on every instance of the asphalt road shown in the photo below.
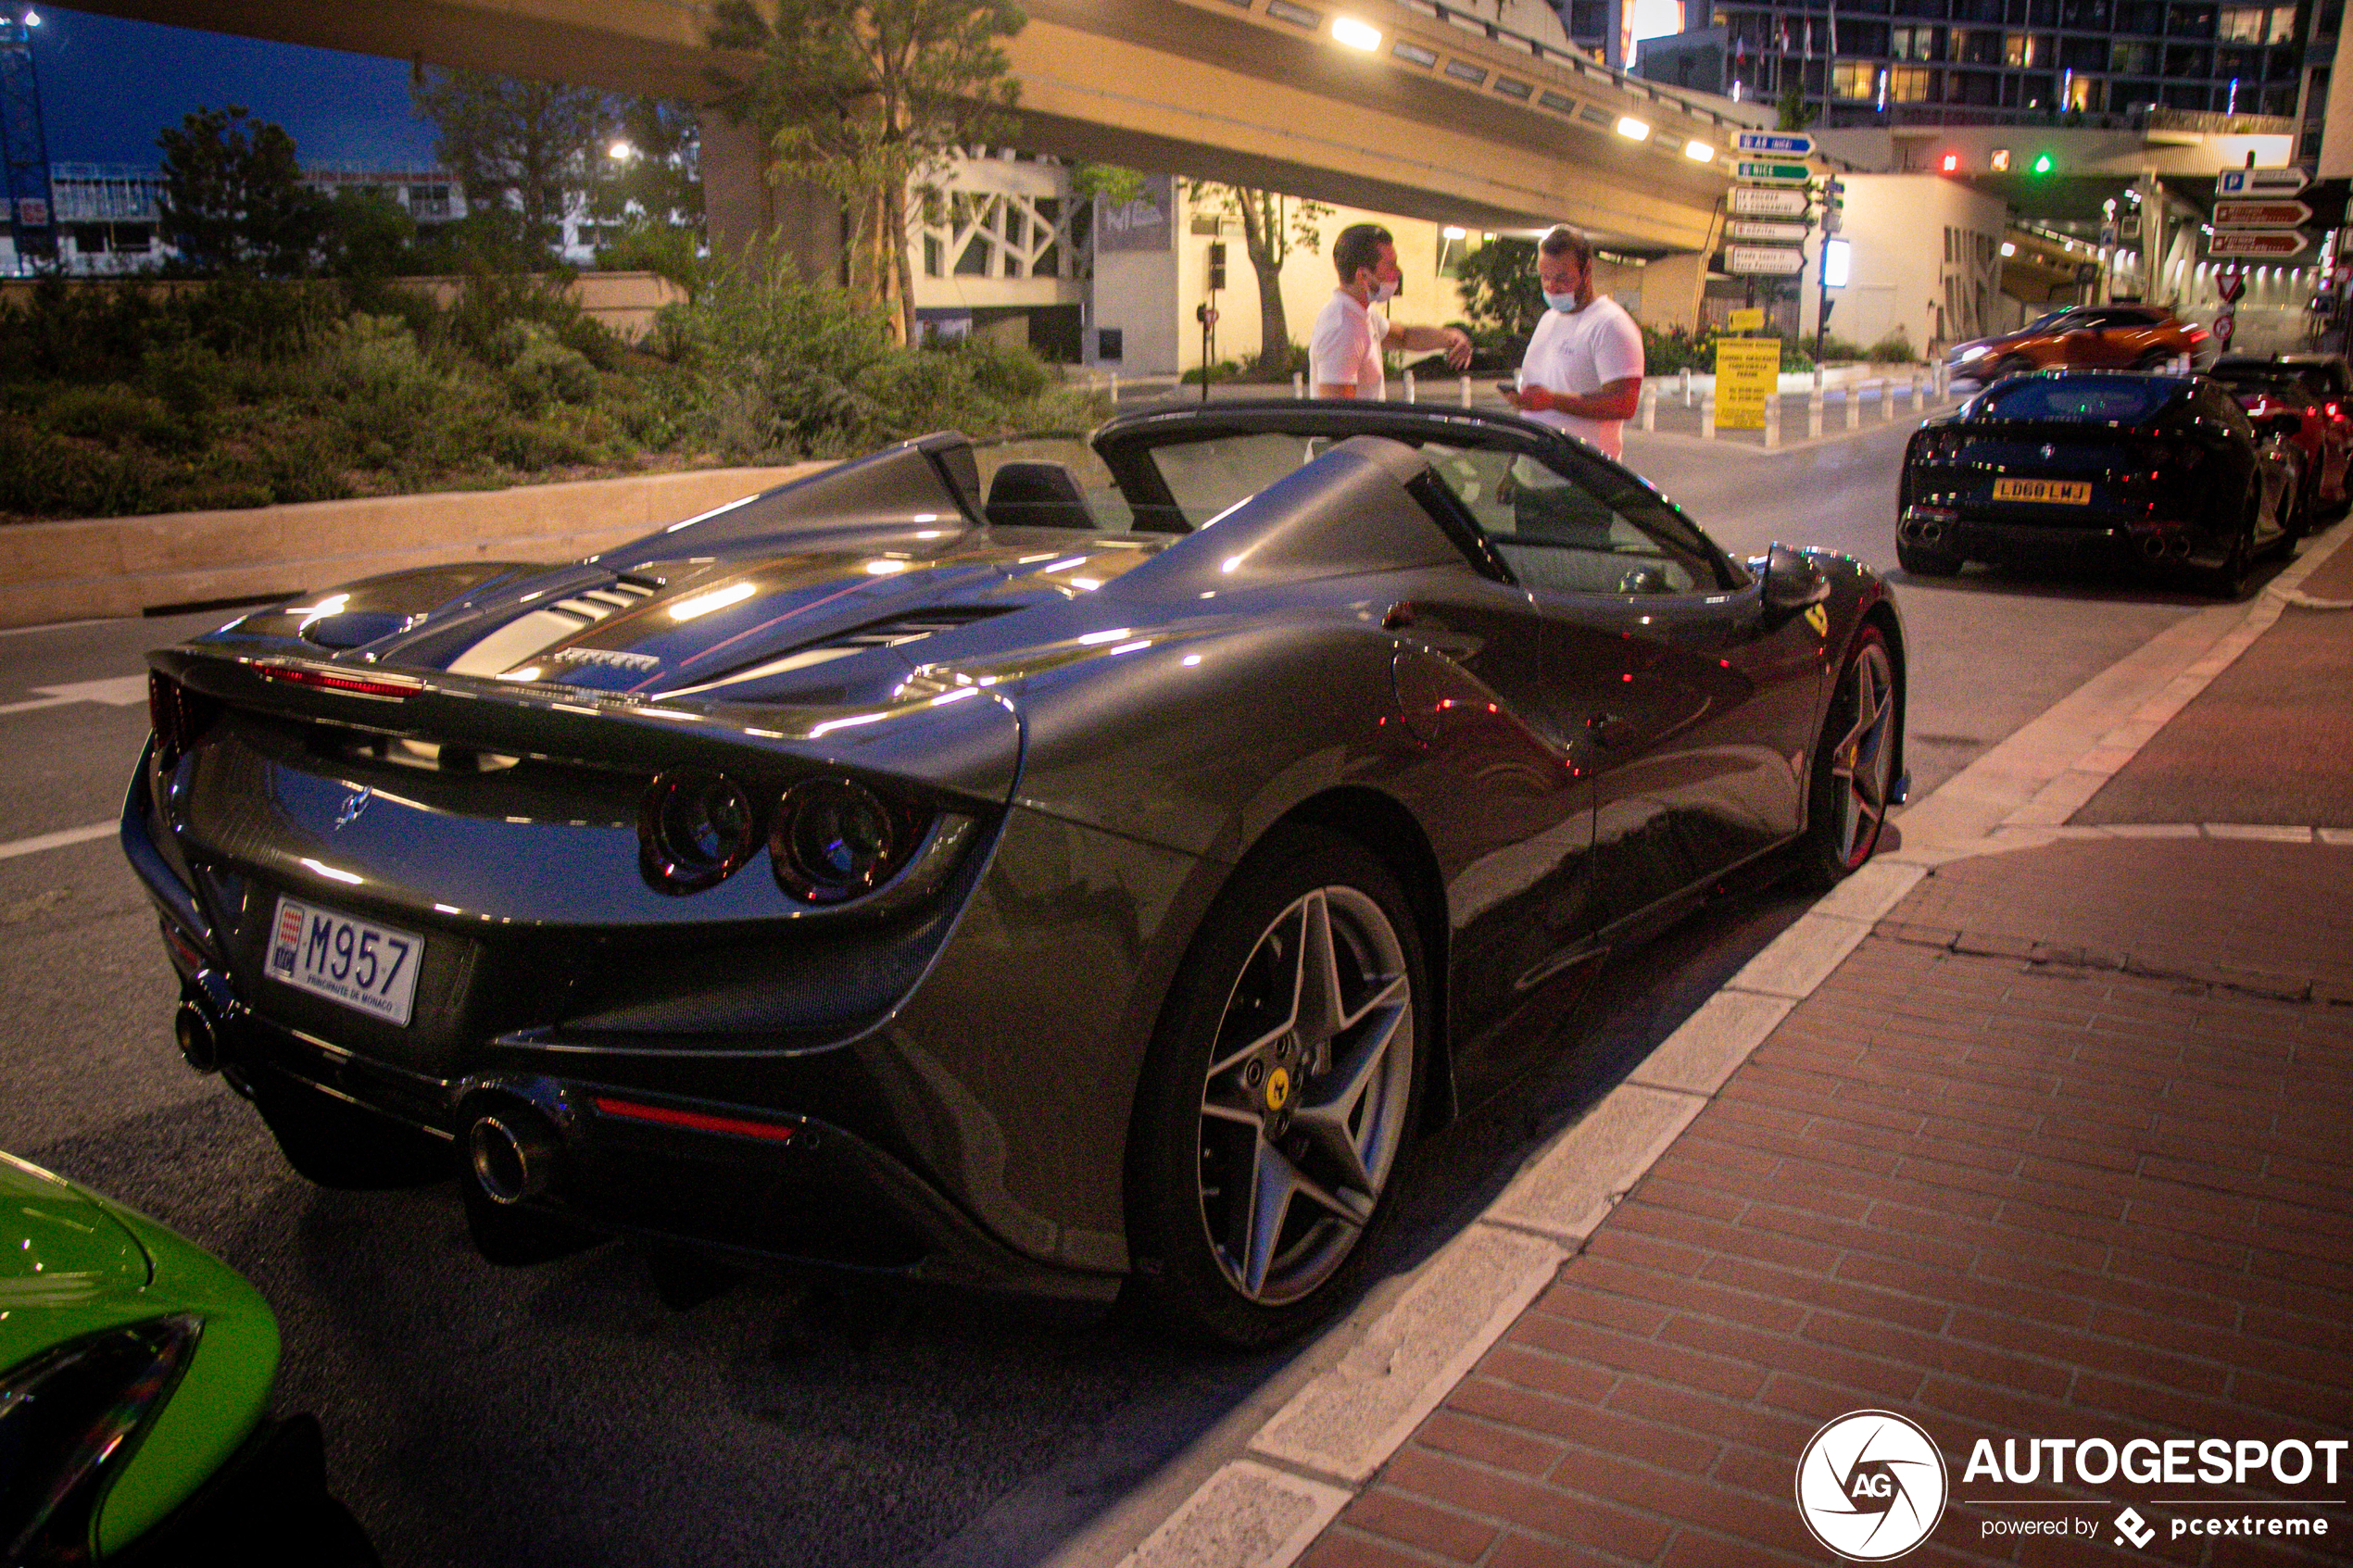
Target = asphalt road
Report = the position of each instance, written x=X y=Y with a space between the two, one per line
x=564 y=1415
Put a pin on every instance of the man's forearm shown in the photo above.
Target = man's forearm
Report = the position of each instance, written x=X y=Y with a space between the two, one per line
x=1420 y=338
x=1618 y=400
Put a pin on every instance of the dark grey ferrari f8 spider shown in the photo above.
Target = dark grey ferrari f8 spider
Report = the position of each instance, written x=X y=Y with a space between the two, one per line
x=1046 y=866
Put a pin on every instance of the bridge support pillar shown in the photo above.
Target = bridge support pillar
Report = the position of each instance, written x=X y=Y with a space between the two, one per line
x=751 y=218
x=1671 y=287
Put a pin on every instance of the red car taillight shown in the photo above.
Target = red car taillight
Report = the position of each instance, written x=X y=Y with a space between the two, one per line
x=398 y=688
x=2197 y=334
x=178 y=716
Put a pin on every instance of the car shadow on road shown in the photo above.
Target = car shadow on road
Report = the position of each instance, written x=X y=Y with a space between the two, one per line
x=2111 y=584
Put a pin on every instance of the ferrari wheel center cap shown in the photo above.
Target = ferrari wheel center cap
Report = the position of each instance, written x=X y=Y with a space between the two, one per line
x=1277 y=1088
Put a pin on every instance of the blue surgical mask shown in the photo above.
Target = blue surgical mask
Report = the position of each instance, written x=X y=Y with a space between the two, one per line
x=1565 y=303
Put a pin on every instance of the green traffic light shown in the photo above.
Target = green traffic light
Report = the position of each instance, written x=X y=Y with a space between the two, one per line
x=2043 y=163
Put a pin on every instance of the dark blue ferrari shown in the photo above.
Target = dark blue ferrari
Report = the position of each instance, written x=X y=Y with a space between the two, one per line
x=2068 y=464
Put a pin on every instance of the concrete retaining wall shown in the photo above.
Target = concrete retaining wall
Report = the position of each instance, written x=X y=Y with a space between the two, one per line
x=121 y=566
x=624 y=301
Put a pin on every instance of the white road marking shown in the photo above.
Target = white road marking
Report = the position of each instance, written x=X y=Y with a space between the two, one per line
x=116 y=691
x=58 y=840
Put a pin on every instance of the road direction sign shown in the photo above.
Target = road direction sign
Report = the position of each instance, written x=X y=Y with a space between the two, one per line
x=2260 y=182
x=1751 y=320
x=1774 y=173
x=1765 y=231
x=1765 y=201
x=1782 y=143
x=2270 y=244
x=1763 y=261
x=2261 y=214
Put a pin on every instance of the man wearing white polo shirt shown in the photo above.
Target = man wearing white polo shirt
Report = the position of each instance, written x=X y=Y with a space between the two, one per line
x=1344 y=350
x=1583 y=370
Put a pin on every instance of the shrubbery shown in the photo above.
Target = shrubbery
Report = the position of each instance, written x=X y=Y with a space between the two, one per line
x=240 y=393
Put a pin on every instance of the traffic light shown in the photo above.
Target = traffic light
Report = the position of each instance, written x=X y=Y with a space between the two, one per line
x=2043 y=164
x=1216 y=265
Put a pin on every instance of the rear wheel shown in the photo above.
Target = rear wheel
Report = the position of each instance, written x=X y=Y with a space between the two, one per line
x=2154 y=359
x=1283 y=1086
x=337 y=1144
x=2229 y=580
x=1854 y=763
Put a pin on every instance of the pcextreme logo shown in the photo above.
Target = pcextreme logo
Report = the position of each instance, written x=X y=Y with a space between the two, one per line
x=1872 y=1486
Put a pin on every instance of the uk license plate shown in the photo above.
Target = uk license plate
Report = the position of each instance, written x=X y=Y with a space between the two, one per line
x=366 y=967
x=2064 y=492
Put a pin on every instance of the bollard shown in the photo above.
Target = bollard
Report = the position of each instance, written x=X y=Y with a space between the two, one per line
x=1817 y=375
x=1650 y=407
x=1813 y=413
x=1899 y=391
x=1707 y=416
x=1687 y=386
x=1466 y=392
x=1410 y=396
x=1114 y=389
x=1887 y=398
x=1297 y=385
x=1773 y=418
x=1854 y=404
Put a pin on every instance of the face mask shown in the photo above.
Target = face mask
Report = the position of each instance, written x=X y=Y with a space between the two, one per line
x=1565 y=303
x=1384 y=291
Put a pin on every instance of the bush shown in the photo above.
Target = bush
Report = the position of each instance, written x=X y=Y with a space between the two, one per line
x=1895 y=348
x=546 y=371
x=1223 y=371
x=112 y=414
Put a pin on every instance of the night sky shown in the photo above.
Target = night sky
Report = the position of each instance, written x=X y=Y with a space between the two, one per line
x=108 y=86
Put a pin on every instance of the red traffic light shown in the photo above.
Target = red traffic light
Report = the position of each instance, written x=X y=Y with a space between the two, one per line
x=1952 y=163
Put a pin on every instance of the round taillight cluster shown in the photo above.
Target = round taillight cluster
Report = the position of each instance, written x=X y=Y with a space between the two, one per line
x=694 y=830
x=834 y=840
x=830 y=839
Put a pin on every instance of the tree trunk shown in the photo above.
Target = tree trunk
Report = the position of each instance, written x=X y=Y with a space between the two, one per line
x=1262 y=233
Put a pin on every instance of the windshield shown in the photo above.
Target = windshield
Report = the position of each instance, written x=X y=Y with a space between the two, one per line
x=2080 y=399
x=2047 y=323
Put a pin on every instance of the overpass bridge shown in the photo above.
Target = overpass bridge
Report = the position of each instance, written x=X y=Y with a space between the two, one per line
x=1448 y=118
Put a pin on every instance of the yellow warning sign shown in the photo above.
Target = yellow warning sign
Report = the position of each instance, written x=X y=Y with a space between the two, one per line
x=1749 y=320
x=1747 y=371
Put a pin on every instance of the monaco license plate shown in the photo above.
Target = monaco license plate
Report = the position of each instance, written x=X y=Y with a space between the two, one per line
x=366 y=967
x=2064 y=492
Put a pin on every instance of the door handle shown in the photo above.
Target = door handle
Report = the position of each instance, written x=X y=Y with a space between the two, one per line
x=1610 y=731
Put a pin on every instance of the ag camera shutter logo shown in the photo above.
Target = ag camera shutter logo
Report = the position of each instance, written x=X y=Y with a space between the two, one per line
x=1872 y=1486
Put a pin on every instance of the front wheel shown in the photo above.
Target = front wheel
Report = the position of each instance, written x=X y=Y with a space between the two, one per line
x=1283 y=1085
x=1854 y=763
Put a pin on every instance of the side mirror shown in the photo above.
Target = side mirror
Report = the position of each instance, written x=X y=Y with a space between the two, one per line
x=1793 y=582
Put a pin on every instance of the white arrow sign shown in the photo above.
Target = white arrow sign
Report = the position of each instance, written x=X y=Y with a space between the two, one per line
x=2260 y=182
x=1756 y=201
x=1765 y=231
x=2261 y=214
x=1763 y=261
x=2271 y=245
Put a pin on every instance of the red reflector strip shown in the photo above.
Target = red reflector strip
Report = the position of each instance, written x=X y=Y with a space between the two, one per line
x=700 y=1121
x=357 y=686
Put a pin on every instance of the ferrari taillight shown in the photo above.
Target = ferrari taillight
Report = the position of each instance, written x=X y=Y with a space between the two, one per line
x=394 y=688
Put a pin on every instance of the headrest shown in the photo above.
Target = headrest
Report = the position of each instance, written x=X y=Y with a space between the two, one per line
x=1030 y=494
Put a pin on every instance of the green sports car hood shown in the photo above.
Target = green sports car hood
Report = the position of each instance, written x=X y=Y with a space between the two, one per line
x=74 y=1265
x=61 y=1246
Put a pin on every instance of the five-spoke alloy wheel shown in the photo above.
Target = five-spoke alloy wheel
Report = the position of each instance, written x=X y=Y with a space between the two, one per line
x=1855 y=765
x=1281 y=1091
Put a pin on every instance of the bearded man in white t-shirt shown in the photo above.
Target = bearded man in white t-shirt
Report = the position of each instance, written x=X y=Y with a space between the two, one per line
x=1583 y=370
x=1345 y=349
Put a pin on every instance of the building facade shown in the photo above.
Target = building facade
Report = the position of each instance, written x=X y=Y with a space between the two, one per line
x=1867 y=62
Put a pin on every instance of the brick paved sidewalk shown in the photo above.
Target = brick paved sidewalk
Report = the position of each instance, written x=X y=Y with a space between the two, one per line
x=2060 y=1151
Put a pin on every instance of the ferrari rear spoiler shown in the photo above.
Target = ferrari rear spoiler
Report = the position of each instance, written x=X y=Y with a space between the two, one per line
x=958 y=739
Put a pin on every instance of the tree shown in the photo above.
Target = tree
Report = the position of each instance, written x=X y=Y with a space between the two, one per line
x=1796 y=113
x=1500 y=294
x=1273 y=226
x=652 y=171
x=526 y=145
x=866 y=100
x=232 y=200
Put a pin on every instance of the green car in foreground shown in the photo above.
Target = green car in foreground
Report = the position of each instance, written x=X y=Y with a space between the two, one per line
x=135 y=1372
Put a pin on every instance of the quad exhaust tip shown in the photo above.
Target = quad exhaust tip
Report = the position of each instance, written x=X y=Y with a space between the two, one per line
x=199 y=1041
x=512 y=1156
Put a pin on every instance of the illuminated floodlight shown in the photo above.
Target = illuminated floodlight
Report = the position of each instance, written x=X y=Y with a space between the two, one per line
x=1699 y=151
x=621 y=152
x=1633 y=129
x=1355 y=34
x=1452 y=232
x=31 y=18
x=1838 y=259
x=2008 y=249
